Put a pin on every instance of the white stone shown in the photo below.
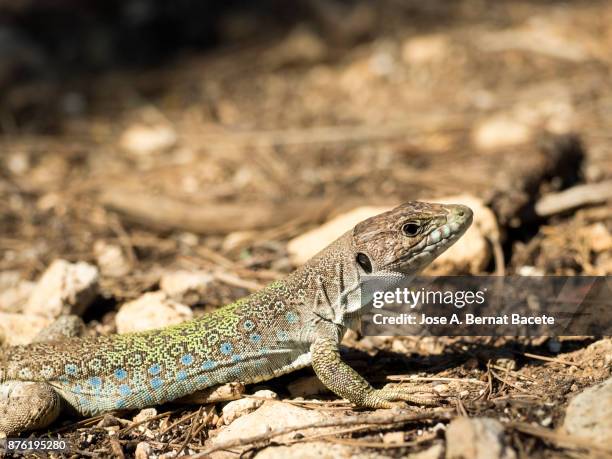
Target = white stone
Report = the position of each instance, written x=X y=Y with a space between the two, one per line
x=145 y=415
x=14 y=298
x=589 y=414
x=187 y=287
x=393 y=438
x=143 y=139
x=301 y=45
x=272 y=415
x=17 y=329
x=433 y=452
x=152 y=310
x=64 y=288
x=476 y=438
x=238 y=408
x=499 y=131
x=143 y=450
x=597 y=237
x=317 y=450
x=110 y=259
x=425 y=49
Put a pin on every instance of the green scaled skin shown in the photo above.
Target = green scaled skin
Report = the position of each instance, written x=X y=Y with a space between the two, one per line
x=290 y=324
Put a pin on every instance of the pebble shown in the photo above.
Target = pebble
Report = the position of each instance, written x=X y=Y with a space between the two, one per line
x=425 y=49
x=238 y=408
x=589 y=414
x=111 y=259
x=500 y=131
x=152 y=310
x=14 y=298
x=187 y=287
x=64 y=288
x=476 y=438
x=17 y=329
x=145 y=415
x=143 y=450
x=143 y=139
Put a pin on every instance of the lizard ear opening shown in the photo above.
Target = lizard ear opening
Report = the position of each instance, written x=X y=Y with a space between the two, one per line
x=364 y=261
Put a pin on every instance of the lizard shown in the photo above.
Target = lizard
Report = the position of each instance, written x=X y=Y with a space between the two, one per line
x=289 y=324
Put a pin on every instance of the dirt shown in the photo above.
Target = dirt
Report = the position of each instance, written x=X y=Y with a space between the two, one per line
x=432 y=100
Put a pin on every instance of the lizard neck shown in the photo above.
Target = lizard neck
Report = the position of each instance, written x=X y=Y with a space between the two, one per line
x=328 y=287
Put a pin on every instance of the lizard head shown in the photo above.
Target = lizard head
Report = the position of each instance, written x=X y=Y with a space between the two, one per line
x=409 y=237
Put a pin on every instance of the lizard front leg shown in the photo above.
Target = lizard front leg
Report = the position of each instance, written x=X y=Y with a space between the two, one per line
x=341 y=379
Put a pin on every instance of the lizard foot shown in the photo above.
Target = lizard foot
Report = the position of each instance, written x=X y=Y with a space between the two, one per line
x=392 y=396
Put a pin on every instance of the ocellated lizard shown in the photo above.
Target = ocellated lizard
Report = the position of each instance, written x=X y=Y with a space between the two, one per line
x=288 y=325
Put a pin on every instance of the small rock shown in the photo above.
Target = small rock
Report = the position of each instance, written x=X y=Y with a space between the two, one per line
x=400 y=347
x=272 y=415
x=110 y=259
x=499 y=131
x=434 y=452
x=18 y=163
x=152 y=310
x=442 y=389
x=301 y=46
x=187 y=287
x=476 y=438
x=143 y=450
x=597 y=237
x=393 y=438
x=554 y=345
x=306 y=386
x=238 y=408
x=109 y=421
x=425 y=49
x=145 y=415
x=589 y=414
x=17 y=329
x=9 y=279
x=64 y=288
x=530 y=271
x=143 y=139
x=14 y=298
x=315 y=450
x=541 y=35
x=237 y=239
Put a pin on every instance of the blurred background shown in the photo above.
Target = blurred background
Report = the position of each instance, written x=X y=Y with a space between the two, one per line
x=139 y=134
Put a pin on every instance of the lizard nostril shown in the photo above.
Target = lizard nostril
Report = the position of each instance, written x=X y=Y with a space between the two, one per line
x=460 y=212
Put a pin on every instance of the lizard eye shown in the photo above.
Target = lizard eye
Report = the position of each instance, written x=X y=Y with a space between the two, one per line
x=411 y=229
x=364 y=262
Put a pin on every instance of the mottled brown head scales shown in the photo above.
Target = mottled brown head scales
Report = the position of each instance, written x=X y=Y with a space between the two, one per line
x=408 y=237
